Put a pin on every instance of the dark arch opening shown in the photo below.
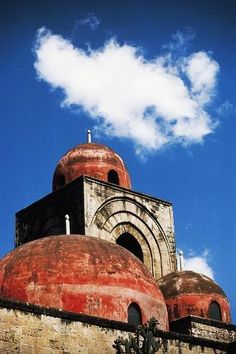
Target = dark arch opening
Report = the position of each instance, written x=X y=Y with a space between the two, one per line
x=60 y=181
x=215 y=311
x=131 y=244
x=134 y=314
x=113 y=177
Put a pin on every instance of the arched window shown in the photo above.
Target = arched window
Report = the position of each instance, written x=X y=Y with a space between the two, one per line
x=134 y=314
x=61 y=181
x=215 y=311
x=131 y=244
x=113 y=177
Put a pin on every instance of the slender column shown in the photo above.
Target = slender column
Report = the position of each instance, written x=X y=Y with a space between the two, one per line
x=67 y=220
x=89 y=136
x=181 y=260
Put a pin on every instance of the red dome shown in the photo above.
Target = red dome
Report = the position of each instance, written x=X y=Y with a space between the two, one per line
x=81 y=274
x=94 y=160
x=189 y=293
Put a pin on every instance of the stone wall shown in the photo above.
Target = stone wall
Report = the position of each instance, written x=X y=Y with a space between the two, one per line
x=28 y=333
x=28 y=329
x=111 y=211
x=205 y=328
x=46 y=217
x=212 y=332
x=106 y=211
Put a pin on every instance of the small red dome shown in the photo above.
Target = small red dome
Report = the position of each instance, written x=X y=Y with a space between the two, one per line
x=189 y=293
x=94 y=160
x=81 y=274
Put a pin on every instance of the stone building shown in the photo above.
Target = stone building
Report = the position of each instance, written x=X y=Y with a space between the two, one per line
x=94 y=259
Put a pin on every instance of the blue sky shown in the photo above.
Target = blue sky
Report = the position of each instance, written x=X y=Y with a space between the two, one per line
x=170 y=113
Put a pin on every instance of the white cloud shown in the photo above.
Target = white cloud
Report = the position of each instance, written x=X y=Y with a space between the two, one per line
x=202 y=72
x=199 y=264
x=153 y=102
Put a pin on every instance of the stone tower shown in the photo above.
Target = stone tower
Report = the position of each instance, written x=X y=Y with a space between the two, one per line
x=91 y=184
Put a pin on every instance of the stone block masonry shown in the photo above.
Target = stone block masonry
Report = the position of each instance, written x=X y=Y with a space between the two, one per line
x=111 y=211
x=205 y=328
x=104 y=210
x=29 y=329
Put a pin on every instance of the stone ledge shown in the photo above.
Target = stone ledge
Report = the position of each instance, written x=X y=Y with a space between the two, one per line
x=196 y=341
x=80 y=181
x=109 y=324
x=65 y=315
x=129 y=191
x=188 y=320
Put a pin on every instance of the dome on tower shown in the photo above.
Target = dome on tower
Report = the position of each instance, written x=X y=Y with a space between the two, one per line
x=94 y=160
x=84 y=275
x=189 y=293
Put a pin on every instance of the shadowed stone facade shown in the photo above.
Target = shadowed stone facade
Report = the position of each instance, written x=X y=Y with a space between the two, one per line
x=104 y=210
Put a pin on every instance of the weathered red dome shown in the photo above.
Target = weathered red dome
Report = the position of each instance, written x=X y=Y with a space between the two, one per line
x=82 y=274
x=94 y=160
x=189 y=293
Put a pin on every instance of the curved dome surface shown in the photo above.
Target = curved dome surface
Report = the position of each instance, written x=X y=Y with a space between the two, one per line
x=94 y=160
x=81 y=274
x=189 y=293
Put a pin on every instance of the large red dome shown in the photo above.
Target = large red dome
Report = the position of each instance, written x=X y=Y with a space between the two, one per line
x=189 y=293
x=84 y=275
x=94 y=160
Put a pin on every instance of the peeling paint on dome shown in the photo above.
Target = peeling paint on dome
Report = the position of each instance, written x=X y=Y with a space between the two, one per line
x=81 y=274
x=189 y=293
x=93 y=160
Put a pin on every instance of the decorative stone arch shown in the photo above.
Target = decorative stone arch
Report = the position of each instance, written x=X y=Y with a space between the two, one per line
x=121 y=214
x=127 y=227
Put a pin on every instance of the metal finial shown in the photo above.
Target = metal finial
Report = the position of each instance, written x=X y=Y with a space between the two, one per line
x=89 y=137
x=67 y=220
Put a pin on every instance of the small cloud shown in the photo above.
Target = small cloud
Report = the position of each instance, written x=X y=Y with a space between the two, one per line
x=154 y=103
x=188 y=226
x=225 y=108
x=90 y=21
x=199 y=264
x=180 y=40
x=202 y=73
